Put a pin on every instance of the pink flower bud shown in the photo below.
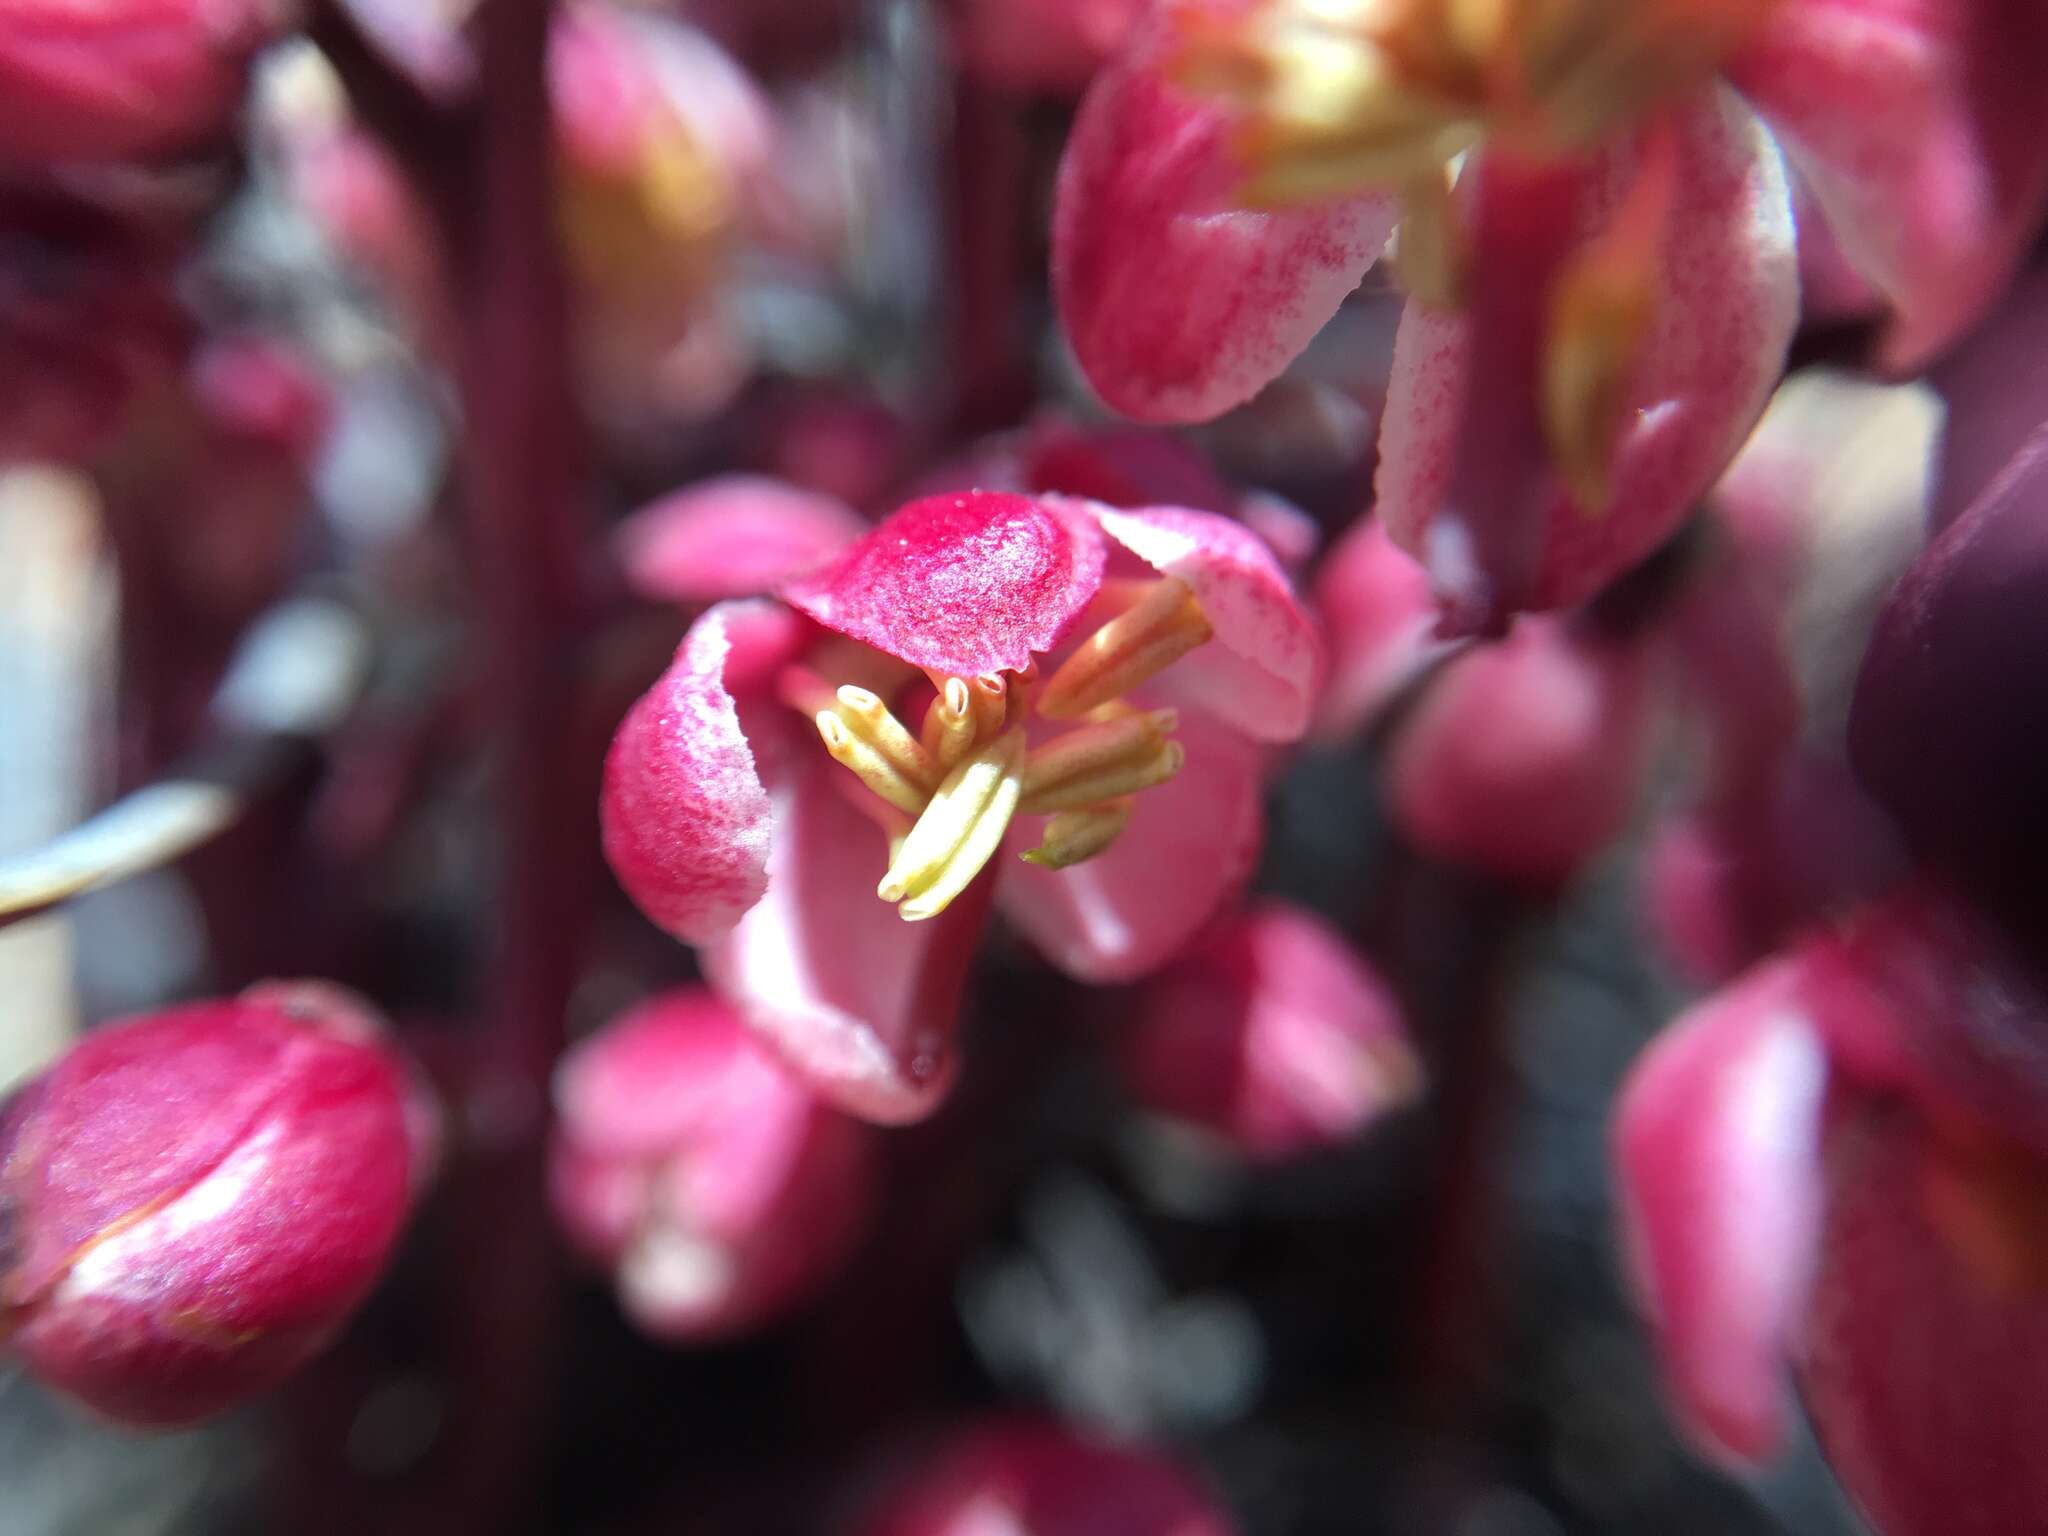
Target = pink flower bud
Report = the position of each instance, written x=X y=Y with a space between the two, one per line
x=1025 y=1478
x=1524 y=758
x=122 y=78
x=692 y=1165
x=197 y=1199
x=1273 y=1035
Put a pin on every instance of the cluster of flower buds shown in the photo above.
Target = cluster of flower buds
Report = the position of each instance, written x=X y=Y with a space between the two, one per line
x=687 y=1161
x=196 y=1200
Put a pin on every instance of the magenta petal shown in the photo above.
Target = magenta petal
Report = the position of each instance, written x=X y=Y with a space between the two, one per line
x=1718 y=1148
x=1261 y=670
x=860 y=1003
x=1179 y=302
x=1191 y=842
x=1996 y=387
x=1919 y=124
x=686 y=821
x=1923 y=1377
x=966 y=584
x=732 y=536
x=1726 y=310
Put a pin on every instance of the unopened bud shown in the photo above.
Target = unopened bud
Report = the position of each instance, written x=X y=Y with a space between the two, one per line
x=197 y=1199
x=692 y=1166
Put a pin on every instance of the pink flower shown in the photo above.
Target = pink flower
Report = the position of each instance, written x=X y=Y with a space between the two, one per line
x=121 y=79
x=691 y=1165
x=1603 y=292
x=1020 y=1476
x=199 y=1198
x=731 y=536
x=1273 y=1036
x=757 y=794
x=1841 y=1161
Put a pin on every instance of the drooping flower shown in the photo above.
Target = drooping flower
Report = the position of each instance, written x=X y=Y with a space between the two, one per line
x=1839 y=1164
x=1602 y=291
x=803 y=776
x=1272 y=1036
x=690 y=1164
x=199 y=1198
x=1024 y=1476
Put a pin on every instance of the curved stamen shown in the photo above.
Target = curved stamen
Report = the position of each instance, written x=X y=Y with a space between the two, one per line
x=959 y=830
x=1127 y=652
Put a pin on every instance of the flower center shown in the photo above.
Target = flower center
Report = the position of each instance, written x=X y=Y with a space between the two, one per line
x=947 y=792
x=1341 y=95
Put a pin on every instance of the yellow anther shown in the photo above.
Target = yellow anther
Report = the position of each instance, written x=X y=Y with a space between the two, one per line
x=949 y=727
x=1338 y=96
x=989 y=696
x=1601 y=312
x=1099 y=762
x=1128 y=651
x=860 y=756
x=1072 y=837
x=865 y=713
x=1430 y=252
x=959 y=831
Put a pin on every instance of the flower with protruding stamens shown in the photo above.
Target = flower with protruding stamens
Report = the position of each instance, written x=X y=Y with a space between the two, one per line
x=1602 y=287
x=1069 y=692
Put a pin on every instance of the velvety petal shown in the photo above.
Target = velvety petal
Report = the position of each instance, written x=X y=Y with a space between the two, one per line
x=1178 y=301
x=1524 y=758
x=1190 y=843
x=685 y=819
x=1949 y=721
x=1718 y=1148
x=1920 y=125
x=1922 y=1373
x=731 y=536
x=1272 y=1034
x=964 y=584
x=1381 y=620
x=1260 y=671
x=859 y=1002
x=1725 y=312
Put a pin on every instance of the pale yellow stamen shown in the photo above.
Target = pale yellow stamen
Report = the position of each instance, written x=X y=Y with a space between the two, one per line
x=865 y=712
x=1072 y=837
x=1430 y=252
x=988 y=696
x=1600 y=316
x=949 y=726
x=959 y=830
x=1128 y=651
x=869 y=764
x=1102 y=762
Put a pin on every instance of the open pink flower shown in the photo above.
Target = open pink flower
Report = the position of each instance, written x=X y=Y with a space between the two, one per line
x=1272 y=1035
x=1840 y=1163
x=1603 y=290
x=757 y=794
x=693 y=1166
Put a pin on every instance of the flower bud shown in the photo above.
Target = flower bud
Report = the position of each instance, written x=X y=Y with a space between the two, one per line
x=122 y=78
x=1524 y=758
x=197 y=1199
x=1025 y=1478
x=1272 y=1035
x=689 y=1163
